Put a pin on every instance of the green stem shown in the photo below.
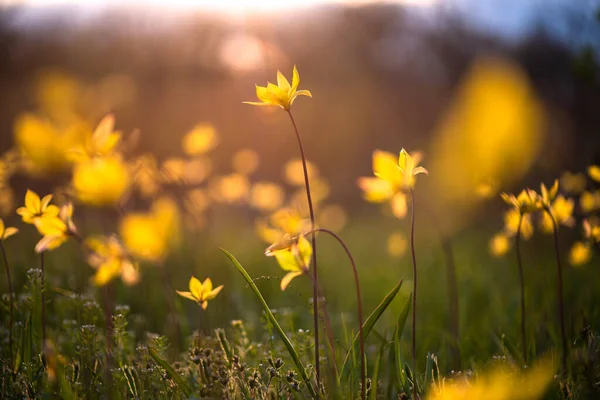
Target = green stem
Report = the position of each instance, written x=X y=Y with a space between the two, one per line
x=363 y=368
x=559 y=290
x=314 y=255
x=43 y=299
x=522 y=283
x=414 y=305
x=10 y=297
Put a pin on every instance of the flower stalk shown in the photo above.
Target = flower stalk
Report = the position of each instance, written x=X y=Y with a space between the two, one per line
x=414 y=305
x=11 y=300
x=522 y=284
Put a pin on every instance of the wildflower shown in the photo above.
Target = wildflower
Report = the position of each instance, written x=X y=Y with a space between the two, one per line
x=201 y=139
x=36 y=208
x=294 y=172
x=6 y=232
x=102 y=142
x=511 y=223
x=589 y=201
x=266 y=196
x=281 y=95
x=293 y=255
x=284 y=221
x=594 y=172
x=245 y=161
x=562 y=213
x=201 y=292
x=528 y=201
x=55 y=229
x=499 y=244
x=101 y=181
x=580 y=254
x=149 y=235
x=591 y=230
x=547 y=196
x=108 y=256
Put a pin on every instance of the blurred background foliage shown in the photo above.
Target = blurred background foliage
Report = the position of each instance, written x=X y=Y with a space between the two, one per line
x=491 y=109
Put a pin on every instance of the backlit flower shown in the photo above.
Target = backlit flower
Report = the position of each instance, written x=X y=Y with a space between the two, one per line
x=101 y=181
x=293 y=255
x=201 y=292
x=102 y=142
x=6 y=232
x=36 y=208
x=55 y=229
x=281 y=95
x=110 y=259
x=562 y=212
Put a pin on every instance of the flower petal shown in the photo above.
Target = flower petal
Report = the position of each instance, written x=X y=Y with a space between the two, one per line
x=376 y=190
x=399 y=205
x=187 y=295
x=285 y=281
x=213 y=293
x=287 y=261
x=32 y=202
x=204 y=304
x=45 y=201
x=207 y=286
x=282 y=82
x=195 y=287
x=8 y=232
x=50 y=242
x=295 y=79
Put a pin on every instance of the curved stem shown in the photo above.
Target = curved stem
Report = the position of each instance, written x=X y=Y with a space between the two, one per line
x=559 y=289
x=522 y=282
x=314 y=255
x=43 y=299
x=414 y=302
x=359 y=306
x=10 y=296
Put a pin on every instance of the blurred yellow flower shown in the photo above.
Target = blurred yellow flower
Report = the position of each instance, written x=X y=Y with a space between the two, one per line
x=499 y=244
x=110 y=259
x=55 y=230
x=146 y=175
x=573 y=183
x=562 y=212
x=44 y=147
x=501 y=383
x=6 y=232
x=150 y=235
x=266 y=196
x=528 y=201
x=591 y=230
x=101 y=181
x=232 y=188
x=589 y=201
x=245 y=161
x=293 y=172
x=281 y=95
x=36 y=208
x=201 y=292
x=201 y=139
x=102 y=142
x=332 y=216
x=396 y=244
x=547 y=196
x=594 y=172
x=486 y=189
x=284 y=221
x=58 y=94
x=580 y=254
x=511 y=223
x=293 y=255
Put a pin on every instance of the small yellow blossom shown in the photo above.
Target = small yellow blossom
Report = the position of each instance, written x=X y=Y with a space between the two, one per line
x=281 y=95
x=283 y=221
x=594 y=172
x=201 y=139
x=511 y=223
x=55 y=229
x=150 y=235
x=580 y=254
x=230 y=189
x=101 y=181
x=499 y=244
x=36 y=208
x=528 y=201
x=201 y=292
x=245 y=161
x=110 y=259
x=102 y=142
x=591 y=230
x=547 y=196
x=293 y=172
x=6 y=232
x=562 y=212
x=266 y=196
x=293 y=255
x=589 y=201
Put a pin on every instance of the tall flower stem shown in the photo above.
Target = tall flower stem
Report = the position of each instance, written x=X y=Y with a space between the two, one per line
x=359 y=306
x=559 y=289
x=314 y=254
x=43 y=299
x=11 y=300
x=414 y=301
x=522 y=283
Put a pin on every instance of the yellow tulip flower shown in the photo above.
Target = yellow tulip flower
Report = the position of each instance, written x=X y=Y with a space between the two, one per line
x=594 y=172
x=281 y=95
x=562 y=212
x=6 y=232
x=528 y=201
x=110 y=259
x=55 y=229
x=36 y=208
x=102 y=142
x=101 y=181
x=293 y=255
x=580 y=254
x=201 y=292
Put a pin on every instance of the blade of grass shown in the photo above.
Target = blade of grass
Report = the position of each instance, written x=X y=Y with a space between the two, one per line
x=375 y=377
x=286 y=341
x=397 y=334
x=367 y=327
x=171 y=372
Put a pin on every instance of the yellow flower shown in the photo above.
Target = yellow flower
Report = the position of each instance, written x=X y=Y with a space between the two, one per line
x=499 y=244
x=528 y=201
x=284 y=221
x=573 y=183
x=562 y=212
x=150 y=235
x=266 y=196
x=281 y=95
x=511 y=223
x=108 y=256
x=201 y=292
x=201 y=139
x=36 y=208
x=591 y=230
x=293 y=255
x=580 y=254
x=501 y=383
x=102 y=142
x=6 y=232
x=589 y=201
x=547 y=196
x=594 y=172
x=101 y=181
x=55 y=229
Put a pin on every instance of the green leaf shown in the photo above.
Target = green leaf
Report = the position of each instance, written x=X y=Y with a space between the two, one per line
x=367 y=327
x=375 y=377
x=286 y=341
x=171 y=372
x=401 y=375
